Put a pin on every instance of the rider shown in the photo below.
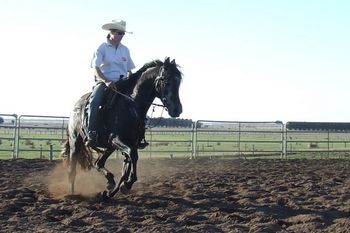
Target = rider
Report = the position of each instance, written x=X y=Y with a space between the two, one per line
x=111 y=62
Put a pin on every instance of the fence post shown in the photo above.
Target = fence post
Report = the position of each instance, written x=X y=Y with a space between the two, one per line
x=51 y=152
x=239 y=139
x=195 y=146
x=193 y=141
x=328 y=144
x=285 y=141
x=15 y=138
x=150 y=145
x=282 y=140
x=18 y=126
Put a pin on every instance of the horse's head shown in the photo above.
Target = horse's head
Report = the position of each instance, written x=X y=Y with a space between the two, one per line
x=167 y=87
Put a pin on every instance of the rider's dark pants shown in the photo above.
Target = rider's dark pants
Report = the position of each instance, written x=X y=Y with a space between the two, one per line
x=96 y=100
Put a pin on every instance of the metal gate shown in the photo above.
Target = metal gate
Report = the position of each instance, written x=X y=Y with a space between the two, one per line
x=238 y=138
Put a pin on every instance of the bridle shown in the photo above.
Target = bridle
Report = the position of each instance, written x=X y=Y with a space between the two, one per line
x=159 y=87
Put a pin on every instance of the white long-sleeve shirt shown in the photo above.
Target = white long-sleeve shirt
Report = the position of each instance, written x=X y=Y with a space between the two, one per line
x=113 y=61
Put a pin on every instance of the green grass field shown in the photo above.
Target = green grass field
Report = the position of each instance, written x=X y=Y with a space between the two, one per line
x=183 y=142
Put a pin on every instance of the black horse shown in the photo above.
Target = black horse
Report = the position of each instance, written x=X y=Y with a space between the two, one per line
x=123 y=123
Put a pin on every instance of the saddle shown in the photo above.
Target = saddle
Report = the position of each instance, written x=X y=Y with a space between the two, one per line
x=109 y=100
x=104 y=125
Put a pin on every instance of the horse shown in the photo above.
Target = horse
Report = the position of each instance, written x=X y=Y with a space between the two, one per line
x=123 y=124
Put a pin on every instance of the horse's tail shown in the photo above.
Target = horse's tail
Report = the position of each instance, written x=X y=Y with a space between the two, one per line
x=83 y=155
x=74 y=149
x=65 y=152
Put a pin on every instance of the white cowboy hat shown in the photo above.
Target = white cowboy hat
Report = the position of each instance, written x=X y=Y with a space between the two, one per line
x=115 y=24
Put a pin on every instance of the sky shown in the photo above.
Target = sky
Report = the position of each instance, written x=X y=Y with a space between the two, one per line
x=242 y=60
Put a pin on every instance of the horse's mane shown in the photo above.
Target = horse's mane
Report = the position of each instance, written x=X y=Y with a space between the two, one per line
x=155 y=63
x=146 y=72
x=131 y=82
x=150 y=64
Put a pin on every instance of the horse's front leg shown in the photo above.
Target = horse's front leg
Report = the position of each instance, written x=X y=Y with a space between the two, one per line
x=132 y=178
x=100 y=166
x=125 y=175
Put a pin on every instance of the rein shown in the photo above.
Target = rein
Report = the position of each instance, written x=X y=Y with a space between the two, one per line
x=156 y=83
x=132 y=99
x=159 y=119
x=154 y=105
x=122 y=94
x=158 y=105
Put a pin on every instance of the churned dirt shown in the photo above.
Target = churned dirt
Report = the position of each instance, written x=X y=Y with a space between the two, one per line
x=180 y=195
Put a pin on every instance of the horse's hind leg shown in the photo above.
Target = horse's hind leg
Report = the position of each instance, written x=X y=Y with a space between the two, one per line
x=75 y=149
x=72 y=172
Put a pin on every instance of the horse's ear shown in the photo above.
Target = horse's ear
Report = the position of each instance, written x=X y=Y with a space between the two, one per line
x=167 y=60
x=173 y=62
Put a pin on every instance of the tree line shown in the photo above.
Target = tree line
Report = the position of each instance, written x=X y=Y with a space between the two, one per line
x=169 y=122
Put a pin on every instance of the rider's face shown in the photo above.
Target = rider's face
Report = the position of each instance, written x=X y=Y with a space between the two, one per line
x=116 y=35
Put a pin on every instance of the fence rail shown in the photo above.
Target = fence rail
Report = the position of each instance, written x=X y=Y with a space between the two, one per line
x=31 y=136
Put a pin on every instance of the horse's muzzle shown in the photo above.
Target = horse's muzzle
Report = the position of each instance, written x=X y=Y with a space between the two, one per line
x=175 y=111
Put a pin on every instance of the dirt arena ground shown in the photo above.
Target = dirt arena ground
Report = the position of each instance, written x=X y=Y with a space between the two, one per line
x=180 y=195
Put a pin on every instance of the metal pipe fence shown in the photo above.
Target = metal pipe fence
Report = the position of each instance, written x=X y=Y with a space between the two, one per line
x=31 y=136
x=238 y=138
x=320 y=143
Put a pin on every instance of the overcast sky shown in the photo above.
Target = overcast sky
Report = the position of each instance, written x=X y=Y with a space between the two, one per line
x=242 y=60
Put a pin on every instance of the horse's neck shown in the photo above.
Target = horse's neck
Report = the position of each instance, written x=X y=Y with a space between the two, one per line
x=144 y=94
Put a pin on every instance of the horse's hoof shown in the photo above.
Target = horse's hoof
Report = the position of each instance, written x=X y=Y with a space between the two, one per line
x=124 y=190
x=110 y=187
x=103 y=196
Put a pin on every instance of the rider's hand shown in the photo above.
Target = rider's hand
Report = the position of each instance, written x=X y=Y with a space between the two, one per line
x=111 y=85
